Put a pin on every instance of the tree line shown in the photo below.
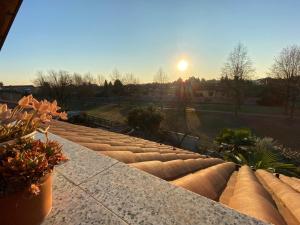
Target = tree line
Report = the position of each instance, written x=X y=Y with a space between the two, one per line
x=285 y=69
x=283 y=86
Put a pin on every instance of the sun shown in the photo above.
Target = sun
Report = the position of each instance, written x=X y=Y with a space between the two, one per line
x=182 y=65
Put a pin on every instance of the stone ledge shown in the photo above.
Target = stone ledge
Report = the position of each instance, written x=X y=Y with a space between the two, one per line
x=95 y=189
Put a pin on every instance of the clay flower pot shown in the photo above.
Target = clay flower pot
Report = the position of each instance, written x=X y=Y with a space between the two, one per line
x=23 y=208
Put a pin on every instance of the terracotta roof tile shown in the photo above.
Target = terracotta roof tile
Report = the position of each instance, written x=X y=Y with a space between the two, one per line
x=291 y=181
x=228 y=191
x=286 y=198
x=122 y=156
x=208 y=182
x=251 y=198
x=259 y=194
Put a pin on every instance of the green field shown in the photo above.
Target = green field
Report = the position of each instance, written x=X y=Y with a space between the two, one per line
x=207 y=124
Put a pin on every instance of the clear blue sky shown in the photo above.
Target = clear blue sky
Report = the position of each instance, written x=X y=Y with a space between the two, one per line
x=139 y=36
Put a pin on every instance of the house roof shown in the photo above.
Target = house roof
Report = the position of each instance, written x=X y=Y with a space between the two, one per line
x=8 y=12
x=259 y=194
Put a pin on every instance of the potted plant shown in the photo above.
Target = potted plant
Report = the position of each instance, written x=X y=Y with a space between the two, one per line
x=26 y=164
x=26 y=118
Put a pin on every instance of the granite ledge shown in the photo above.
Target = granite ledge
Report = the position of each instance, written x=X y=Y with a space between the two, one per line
x=96 y=189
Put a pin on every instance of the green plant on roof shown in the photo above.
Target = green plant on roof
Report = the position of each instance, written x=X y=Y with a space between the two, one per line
x=242 y=147
x=235 y=139
x=264 y=155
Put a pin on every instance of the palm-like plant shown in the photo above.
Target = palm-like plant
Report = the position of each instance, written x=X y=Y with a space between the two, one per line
x=235 y=140
x=243 y=148
x=263 y=155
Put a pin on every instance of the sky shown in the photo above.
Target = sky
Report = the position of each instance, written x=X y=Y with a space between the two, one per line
x=140 y=36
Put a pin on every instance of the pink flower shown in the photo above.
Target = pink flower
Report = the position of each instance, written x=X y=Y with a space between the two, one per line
x=44 y=107
x=25 y=101
x=5 y=115
x=36 y=104
x=63 y=115
x=3 y=108
x=45 y=118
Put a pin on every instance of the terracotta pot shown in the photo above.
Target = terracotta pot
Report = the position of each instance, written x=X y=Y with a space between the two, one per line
x=24 y=208
x=31 y=135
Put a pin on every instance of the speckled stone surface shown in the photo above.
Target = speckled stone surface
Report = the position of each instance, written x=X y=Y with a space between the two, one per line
x=94 y=189
x=140 y=198
x=72 y=206
x=83 y=163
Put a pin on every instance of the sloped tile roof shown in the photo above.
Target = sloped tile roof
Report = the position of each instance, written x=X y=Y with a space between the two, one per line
x=259 y=194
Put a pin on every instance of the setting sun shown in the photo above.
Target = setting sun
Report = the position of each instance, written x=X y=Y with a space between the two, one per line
x=182 y=65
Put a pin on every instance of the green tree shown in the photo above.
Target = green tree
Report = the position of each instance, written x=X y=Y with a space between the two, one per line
x=146 y=119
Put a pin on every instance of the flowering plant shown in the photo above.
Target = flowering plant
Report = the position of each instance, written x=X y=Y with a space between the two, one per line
x=24 y=163
x=27 y=117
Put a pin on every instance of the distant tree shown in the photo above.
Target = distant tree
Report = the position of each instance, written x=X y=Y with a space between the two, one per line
x=118 y=84
x=271 y=93
x=105 y=84
x=118 y=88
x=236 y=70
x=195 y=84
x=287 y=69
x=1 y=84
x=89 y=79
x=161 y=78
x=104 y=90
x=77 y=80
x=115 y=75
x=43 y=85
x=181 y=127
x=57 y=84
x=183 y=93
x=129 y=78
x=146 y=119
x=101 y=80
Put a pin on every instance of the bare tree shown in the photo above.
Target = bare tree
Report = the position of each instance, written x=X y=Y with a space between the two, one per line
x=129 y=78
x=161 y=78
x=77 y=79
x=101 y=79
x=236 y=70
x=115 y=75
x=89 y=79
x=287 y=68
x=56 y=84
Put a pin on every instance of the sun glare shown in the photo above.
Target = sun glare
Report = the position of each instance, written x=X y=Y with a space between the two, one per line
x=182 y=65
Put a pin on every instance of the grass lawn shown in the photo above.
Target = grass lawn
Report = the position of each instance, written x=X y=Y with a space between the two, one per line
x=207 y=125
x=111 y=112
x=256 y=109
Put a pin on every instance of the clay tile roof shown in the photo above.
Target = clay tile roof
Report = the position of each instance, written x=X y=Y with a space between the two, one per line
x=258 y=194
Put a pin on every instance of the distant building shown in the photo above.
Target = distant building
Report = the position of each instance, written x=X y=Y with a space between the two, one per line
x=210 y=91
x=23 y=89
x=15 y=92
